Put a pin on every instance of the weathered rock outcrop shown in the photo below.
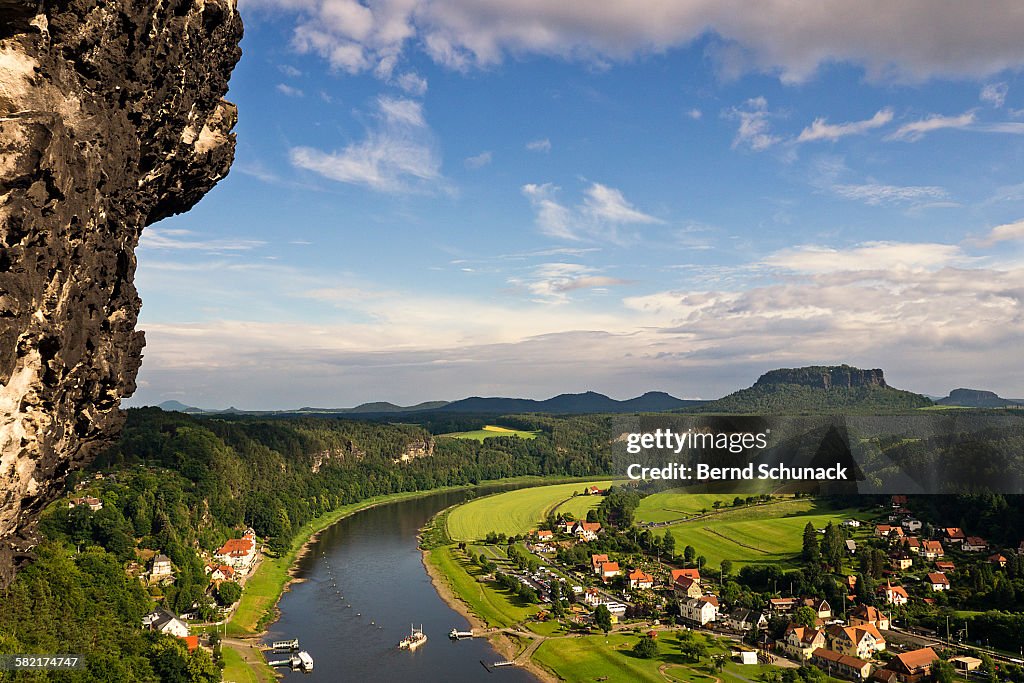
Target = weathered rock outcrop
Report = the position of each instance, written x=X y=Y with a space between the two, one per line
x=824 y=377
x=111 y=118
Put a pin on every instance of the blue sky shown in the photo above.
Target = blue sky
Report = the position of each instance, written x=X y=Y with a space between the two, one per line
x=434 y=200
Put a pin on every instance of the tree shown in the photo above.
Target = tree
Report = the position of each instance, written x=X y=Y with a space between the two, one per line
x=805 y=616
x=603 y=618
x=718 y=661
x=832 y=546
x=701 y=561
x=646 y=648
x=726 y=566
x=943 y=671
x=693 y=649
x=689 y=553
x=988 y=667
x=668 y=542
x=228 y=593
x=811 y=552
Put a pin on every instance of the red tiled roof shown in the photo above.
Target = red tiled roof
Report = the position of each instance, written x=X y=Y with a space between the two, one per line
x=236 y=547
x=938 y=577
x=609 y=567
x=689 y=573
x=191 y=642
x=917 y=658
x=640 y=575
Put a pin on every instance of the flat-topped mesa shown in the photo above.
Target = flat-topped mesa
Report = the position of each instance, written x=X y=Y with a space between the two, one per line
x=824 y=377
x=111 y=118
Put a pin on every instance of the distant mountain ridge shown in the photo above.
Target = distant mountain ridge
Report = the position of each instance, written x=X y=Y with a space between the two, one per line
x=978 y=398
x=571 y=404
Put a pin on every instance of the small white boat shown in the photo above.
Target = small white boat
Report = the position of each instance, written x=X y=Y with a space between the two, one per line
x=415 y=638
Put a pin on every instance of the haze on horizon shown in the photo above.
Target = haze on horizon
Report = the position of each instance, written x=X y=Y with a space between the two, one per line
x=438 y=200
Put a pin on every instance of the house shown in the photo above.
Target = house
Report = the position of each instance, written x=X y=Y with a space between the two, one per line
x=745 y=619
x=745 y=656
x=945 y=567
x=938 y=581
x=593 y=491
x=911 y=524
x=856 y=641
x=898 y=501
x=161 y=566
x=191 y=642
x=953 y=534
x=93 y=504
x=685 y=587
x=852 y=523
x=783 y=605
x=596 y=561
x=975 y=544
x=820 y=606
x=239 y=553
x=901 y=562
x=689 y=573
x=164 y=622
x=894 y=595
x=932 y=550
x=638 y=578
x=801 y=642
x=886 y=531
x=609 y=570
x=909 y=667
x=586 y=531
x=220 y=572
x=700 y=611
x=965 y=663
x=544 y=535
x=997 y=559
x=851 y=582
x=851 y=546
x=913 y=544
x=870 y=616
x=592 y=597
x=838 y=664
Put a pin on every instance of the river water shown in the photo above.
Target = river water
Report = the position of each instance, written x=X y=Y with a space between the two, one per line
x=371 y=562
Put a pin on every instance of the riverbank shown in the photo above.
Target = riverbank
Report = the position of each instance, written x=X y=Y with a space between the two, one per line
x=504 y=645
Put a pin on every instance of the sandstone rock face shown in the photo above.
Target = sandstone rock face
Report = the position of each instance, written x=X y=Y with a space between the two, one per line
x=111 y=118
x=825 y=377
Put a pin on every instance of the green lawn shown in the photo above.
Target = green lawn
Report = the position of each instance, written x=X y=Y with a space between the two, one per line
x=491 y=431
x=516 y=512
x=672 y=504
x=610 y=658
x=497 y=606
x=237 y=671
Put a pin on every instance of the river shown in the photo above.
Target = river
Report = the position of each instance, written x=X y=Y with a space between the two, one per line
x=371 y=561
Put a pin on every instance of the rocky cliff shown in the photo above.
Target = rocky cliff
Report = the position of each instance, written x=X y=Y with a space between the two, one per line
x=111 y=118
x=824 y=377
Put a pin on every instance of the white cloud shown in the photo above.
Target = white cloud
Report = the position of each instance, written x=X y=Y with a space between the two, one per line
x=289 y=70
x=994 y=94
x=155 y=239
x=553 y=282
x=877 y=194
x=822 y=130
x=479 y=160
x=892 y=41
x=412 y=83
x=869 y=256
x=542 y=145
x=754 y=130
x=288 y=90
x=915 y=130
x=1004 y=233
x=397 y=155
x=599 y=216
x=695 y=114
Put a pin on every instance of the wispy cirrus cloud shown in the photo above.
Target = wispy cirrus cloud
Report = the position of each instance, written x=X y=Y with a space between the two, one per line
x=602 y=213
x=994 y=94
x=822 y=130
x=553 y=282
x=1007 y=232
x=877 y=194
x=754 y=131
x=398 y=154
x=177 y=239
x=915 y=130
x=541 y=145
x=479 y=160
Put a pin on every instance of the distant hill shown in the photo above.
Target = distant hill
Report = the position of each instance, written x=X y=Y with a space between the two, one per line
x=818 y=389
x=978 y=398
x=377 y=407
x=571 y=404
x=178 y=407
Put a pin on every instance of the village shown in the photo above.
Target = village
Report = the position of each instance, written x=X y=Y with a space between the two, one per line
x=856 y=636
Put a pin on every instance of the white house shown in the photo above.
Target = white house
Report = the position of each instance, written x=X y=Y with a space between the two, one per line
x=165 y=622
x=938 y=581
x=239 y=553
x=161 y=567
x=701 y=611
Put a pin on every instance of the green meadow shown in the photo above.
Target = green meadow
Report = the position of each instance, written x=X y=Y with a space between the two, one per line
x=518 y=512
x=491 y=431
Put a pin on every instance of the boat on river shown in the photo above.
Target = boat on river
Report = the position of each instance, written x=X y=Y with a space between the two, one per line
x=415 y=638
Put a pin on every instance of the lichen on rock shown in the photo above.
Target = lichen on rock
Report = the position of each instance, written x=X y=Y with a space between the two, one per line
x=112 y=117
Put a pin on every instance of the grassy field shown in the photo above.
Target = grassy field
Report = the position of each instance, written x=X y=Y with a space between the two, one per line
x=610 y=658
x=237 y=671
x=490 y=431
x=516 y=512
x=497 y=606
x=751 y=534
